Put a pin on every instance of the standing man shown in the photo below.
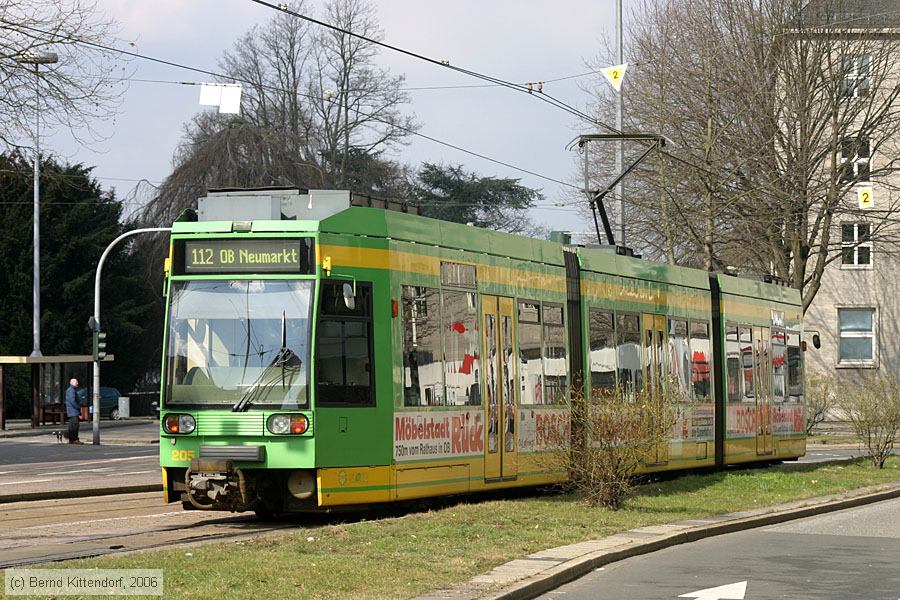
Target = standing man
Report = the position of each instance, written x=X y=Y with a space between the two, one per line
x=73 y=411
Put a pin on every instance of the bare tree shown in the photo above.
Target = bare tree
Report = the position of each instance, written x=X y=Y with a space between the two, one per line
x=769 y=103
x=82 y=88
x=357 y=104
x=315 y=113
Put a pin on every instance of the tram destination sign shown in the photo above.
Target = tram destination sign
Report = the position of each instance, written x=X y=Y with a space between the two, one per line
x=241 y=255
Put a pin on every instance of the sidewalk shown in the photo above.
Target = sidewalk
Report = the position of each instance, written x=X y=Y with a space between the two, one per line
x=136 y=430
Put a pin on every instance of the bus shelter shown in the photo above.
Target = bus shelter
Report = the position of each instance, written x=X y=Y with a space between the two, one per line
x=50 y=377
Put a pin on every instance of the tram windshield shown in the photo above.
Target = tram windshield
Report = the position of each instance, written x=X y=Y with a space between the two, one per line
x=243 y=343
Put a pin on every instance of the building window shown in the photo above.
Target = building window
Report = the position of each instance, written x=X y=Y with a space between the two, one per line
x=856 y=160
x=856 y=331
x=856 y=245
x=857 y=82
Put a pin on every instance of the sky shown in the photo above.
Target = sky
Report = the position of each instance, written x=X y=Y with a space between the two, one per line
x=515 y=40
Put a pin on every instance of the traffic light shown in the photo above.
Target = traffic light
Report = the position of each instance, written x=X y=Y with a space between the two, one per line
x=99 y=345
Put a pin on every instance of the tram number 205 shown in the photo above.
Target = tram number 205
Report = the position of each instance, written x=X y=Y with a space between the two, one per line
x=182 y=455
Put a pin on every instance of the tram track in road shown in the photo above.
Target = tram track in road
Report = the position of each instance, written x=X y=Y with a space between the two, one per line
x=63 y=529
x=56 y=530
x=66 y=529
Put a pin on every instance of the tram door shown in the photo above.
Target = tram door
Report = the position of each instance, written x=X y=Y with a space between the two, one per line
x=500 y=398
x=762 y=362
x=655 y=369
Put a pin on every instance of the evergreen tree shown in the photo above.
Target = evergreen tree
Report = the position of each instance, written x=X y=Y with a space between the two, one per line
x=452 y=194
x=78 y=221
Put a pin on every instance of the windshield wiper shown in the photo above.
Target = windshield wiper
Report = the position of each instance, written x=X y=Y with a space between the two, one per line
x=284 y=359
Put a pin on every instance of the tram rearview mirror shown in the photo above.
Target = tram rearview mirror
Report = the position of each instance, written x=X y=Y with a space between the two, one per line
x=349 y=299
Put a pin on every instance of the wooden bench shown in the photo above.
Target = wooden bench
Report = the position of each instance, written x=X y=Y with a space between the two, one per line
x=55 y=413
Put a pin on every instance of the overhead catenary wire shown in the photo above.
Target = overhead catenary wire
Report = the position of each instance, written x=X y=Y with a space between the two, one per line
x=519 y=87
x=283 y=8
x=544 y=97
x=281 y=90
x=446 y=64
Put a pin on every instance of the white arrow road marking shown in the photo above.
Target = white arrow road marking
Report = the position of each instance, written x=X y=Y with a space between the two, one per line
x=732 y=591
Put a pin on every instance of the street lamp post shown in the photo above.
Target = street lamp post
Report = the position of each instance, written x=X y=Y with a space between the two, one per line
x=94 y=324
x=37 y=59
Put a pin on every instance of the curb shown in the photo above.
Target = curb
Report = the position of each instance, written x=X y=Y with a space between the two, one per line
x=85 y=493
x=10 y=433
x=543 y=571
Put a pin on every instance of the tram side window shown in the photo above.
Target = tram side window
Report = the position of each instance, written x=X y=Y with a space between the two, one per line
x=778 y=366
x=746 y=346
x=700 y=365
x=733 y=363
x=423 y=369
x=603 y=351
x=555 y=365
x=461 y=349
x=530 y=364
x=794 y=367
x=680 y=357
x=628 y=353
x=344 y=373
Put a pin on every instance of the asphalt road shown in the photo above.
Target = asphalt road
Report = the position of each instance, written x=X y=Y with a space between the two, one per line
x=817 y=455
x=847 y=555
x=30 y=465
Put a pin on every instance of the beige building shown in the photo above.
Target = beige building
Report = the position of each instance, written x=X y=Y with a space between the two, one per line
x=855 y=316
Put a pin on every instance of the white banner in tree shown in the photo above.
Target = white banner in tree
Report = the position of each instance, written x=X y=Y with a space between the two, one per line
x=227 y=96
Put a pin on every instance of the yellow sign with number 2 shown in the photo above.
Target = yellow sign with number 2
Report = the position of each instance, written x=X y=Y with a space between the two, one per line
x=866 y=197
x=615 y=75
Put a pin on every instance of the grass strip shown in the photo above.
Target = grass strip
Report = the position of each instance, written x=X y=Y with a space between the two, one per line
x=420 y=552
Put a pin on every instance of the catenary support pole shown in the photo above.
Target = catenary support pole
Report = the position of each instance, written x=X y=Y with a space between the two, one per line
x=95 y=399
x=620 y=148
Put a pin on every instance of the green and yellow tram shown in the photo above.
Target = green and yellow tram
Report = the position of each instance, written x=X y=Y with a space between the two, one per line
x=321 y=354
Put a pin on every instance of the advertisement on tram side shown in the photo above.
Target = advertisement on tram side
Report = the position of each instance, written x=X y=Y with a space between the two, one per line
x=438 y=434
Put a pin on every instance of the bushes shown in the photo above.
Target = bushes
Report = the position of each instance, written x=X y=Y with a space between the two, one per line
x=820 y=390
x=873 y=408
x=611 y=435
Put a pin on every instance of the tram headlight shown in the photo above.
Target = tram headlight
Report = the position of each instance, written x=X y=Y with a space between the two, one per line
x=287 y=424
x=280 y=424
x=179 y=424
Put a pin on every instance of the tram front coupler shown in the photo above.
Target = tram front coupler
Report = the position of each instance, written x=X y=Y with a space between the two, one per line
x=217 y=485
